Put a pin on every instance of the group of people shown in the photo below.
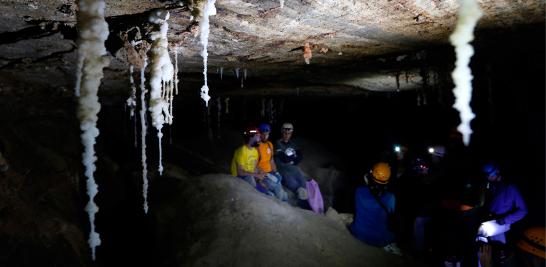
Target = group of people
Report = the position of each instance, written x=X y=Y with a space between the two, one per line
x=273 y=168
x=269 y=167
x=375 y=221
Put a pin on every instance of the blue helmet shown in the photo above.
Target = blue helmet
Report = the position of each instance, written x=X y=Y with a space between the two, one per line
x=264 y=127
x=490 y=168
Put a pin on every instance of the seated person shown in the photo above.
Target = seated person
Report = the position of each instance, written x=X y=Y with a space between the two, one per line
x=267 y=165
x=287 y=157
x=245 y=159
x=374 y=204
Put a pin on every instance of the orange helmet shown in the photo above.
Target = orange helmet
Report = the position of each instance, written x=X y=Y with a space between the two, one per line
x=533 y=241
x=381 y=173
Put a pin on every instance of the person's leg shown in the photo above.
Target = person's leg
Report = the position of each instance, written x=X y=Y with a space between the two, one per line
x=249 y=179
x=276 y=188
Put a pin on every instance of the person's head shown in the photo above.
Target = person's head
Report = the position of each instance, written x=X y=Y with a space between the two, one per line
x=286 y=131
x=437 y=153
x=251 y=136
x=265 y=129
x=378 y=178
x=492 y=172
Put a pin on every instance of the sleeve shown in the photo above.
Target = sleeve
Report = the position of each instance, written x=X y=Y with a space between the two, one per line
x=298 y=158
x=520 y=209
x=390 y=205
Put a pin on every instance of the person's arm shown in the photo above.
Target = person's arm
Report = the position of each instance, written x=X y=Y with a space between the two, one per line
x=520 y=209
x=258 y=174
x=273 y=165
x=298 y=157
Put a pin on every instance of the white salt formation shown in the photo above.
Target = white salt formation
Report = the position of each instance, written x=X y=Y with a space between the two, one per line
x=93 y=31
x=161 y=78
x=469 y=14
x=143 y=127
x=131 y=101
x=208 y=10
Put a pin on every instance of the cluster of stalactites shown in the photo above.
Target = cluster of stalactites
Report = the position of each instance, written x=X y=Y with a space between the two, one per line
x=162 y=81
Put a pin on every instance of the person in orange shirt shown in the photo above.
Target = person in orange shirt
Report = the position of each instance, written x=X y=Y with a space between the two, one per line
x=267 y=165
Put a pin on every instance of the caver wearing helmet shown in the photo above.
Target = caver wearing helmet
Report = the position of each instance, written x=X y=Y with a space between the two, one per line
x=378 y=178
x=264 y=128
x=504 y=204
x=373 y=205
x=267 y=165
x=287 y=157
x=251 y=132
x=381 y=173
x=245 y=158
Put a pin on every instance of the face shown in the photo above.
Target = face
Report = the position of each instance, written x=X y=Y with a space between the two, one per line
x=264 y=136
x=286 y=135
x=255 y=140
x=493 y=177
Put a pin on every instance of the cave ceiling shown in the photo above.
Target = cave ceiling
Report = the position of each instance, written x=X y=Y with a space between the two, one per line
x=355 y=44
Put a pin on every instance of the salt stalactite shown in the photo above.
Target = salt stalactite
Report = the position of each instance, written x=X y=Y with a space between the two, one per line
x=144 y=129
x=242 y=83
x=282 y=3
x=221 y=72
x=244 y=73
x=93 y=31
x=208 y=10
x=175 y=72
x=227 y=105
x=131 y=101
x=237 y=73
x=469 y=14
x=161 y=78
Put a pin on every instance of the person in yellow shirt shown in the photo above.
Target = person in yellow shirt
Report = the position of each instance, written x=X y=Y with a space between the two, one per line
x=245 y=159
x=266 y=164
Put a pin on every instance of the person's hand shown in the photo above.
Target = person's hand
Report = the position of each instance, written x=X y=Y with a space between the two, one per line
x=484 y=255
x=260 y=176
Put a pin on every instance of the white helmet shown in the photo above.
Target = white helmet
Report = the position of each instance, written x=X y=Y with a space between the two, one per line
x=287 y=127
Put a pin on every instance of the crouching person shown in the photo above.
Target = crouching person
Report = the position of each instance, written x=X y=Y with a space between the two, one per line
x=374 y=204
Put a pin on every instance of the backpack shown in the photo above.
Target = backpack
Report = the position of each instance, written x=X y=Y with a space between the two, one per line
x=314 y=197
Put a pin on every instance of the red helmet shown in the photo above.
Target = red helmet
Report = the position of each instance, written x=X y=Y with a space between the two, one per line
x=251 y=130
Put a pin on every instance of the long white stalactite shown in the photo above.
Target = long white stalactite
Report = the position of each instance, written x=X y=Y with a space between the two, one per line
x=208 y=10
x=161 y=78
x=93 y=31
x=143 y=127
x=469 y=14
